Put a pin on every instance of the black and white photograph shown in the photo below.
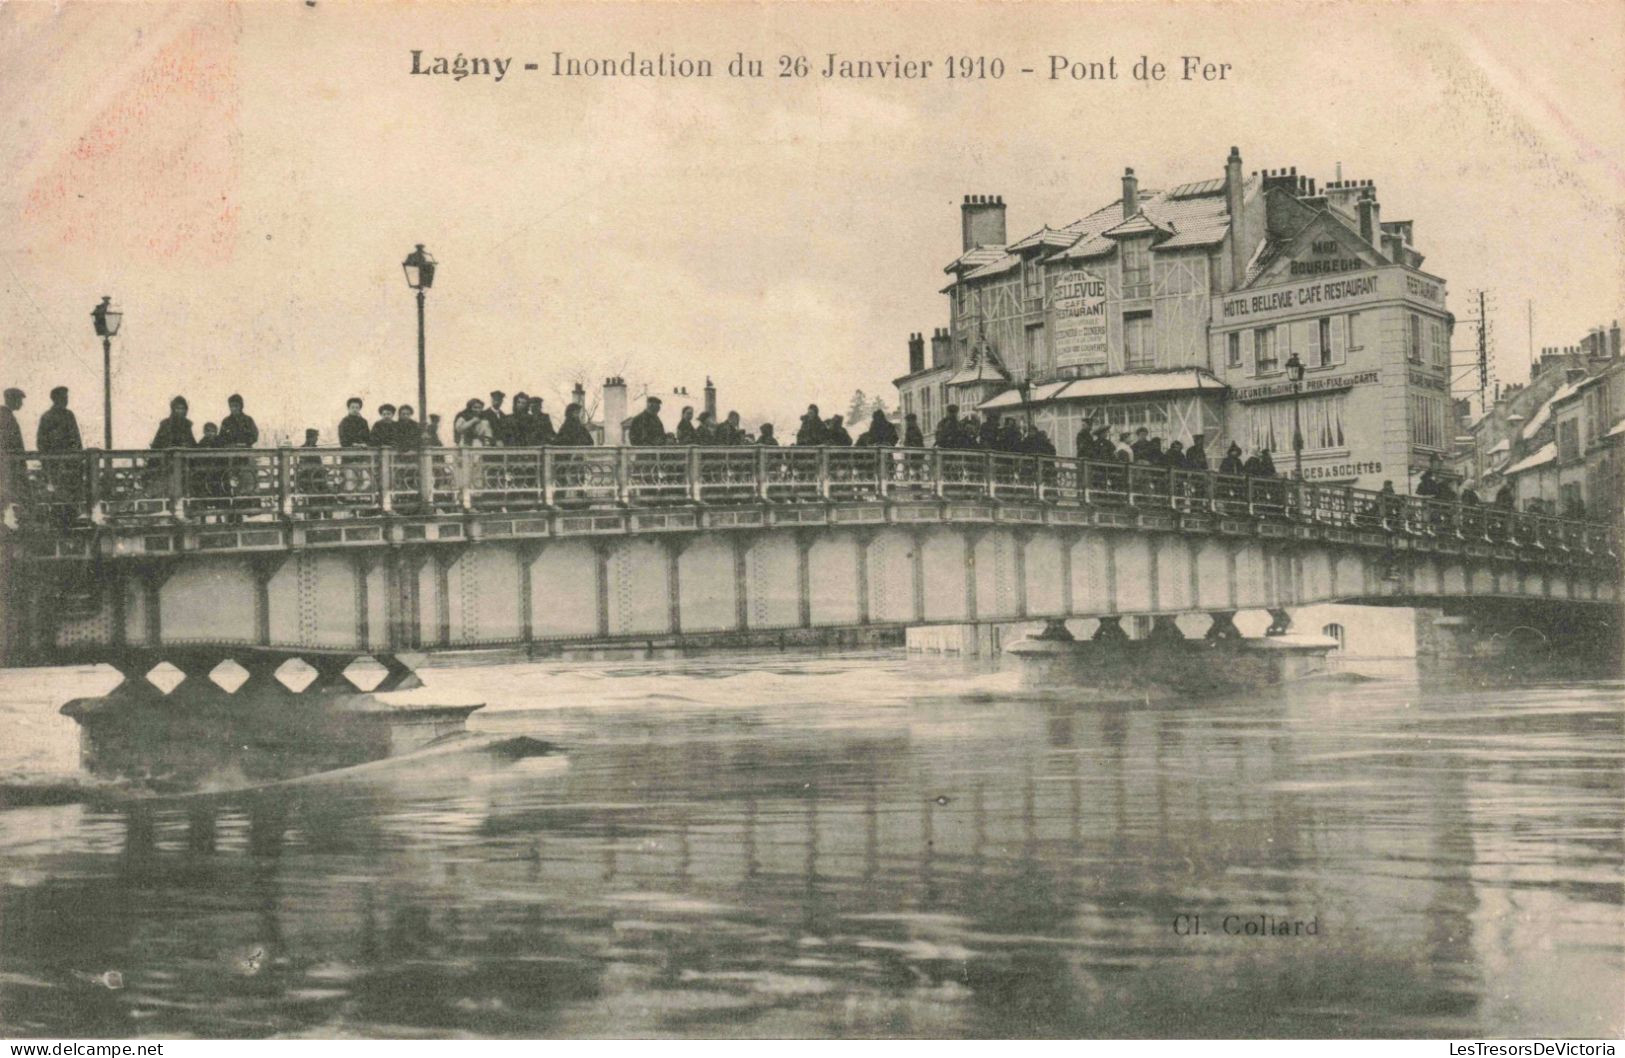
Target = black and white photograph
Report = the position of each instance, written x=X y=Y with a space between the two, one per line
x=819 y=521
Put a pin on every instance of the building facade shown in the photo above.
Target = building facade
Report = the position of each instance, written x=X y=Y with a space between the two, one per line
x=1181 y=310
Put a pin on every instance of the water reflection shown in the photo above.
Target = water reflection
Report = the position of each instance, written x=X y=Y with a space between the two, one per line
x=869 y=847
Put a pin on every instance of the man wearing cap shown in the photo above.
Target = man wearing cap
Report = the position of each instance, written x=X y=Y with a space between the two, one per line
x=11 y=433
x=58 y=429
x=236 y=429
x=647 y=430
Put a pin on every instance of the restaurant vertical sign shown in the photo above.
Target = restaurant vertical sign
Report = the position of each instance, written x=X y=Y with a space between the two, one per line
x=1079 y=303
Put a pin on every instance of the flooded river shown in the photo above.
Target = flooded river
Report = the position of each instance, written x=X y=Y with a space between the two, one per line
x=855 y=845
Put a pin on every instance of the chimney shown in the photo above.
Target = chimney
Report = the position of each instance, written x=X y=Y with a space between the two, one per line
x=578 y=395
x=1370 y=218
x=711 y=398
x=1238 y=228
x=982 y=220
x=1131 y=194
x=614 y=410
x=1613 y=340
x=940 y=348
x=916 y=353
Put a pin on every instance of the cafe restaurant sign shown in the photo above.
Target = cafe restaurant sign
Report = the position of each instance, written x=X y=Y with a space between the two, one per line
x=1309 y=387
x=1326 y=296
x=1079 y=300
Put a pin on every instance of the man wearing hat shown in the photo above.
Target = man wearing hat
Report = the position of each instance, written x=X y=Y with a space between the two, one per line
x=1232 y=464
x=58 y=429
x=11 y=433
x=494 y=414
x=1086 y=439
x=647 y=430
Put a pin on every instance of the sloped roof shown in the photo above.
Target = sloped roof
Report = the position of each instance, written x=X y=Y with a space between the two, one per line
x=1541 y=417
x=1500 y=446
x=1546 y=453
x=982 y=366
x=1139 y=224
x=1616 y=429
x=975 y=257
x=996 y=267
x=1045 y=238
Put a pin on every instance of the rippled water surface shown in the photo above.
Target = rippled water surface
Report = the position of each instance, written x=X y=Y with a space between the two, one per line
x=782 y=845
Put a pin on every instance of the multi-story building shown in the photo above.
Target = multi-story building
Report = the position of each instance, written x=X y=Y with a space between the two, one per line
x=1181 y=311
x=1549 y=438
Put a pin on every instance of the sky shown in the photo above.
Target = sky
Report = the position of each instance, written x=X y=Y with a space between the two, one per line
x=244 y=180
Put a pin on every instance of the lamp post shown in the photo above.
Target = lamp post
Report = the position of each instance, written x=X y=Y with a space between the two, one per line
x=106 y=319
x=1294 y=371
x=419 y=269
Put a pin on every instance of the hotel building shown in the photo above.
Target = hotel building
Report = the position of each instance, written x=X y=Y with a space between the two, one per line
x=1180 y=310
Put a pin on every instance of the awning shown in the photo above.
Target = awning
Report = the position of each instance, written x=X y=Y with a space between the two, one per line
x=1546 y=454
x=1502 y=445
x=1139 y=384
x=1616 y=429
x=1011 y=398
x=1102 y=387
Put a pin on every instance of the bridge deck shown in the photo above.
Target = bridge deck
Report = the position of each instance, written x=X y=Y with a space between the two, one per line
x=140 y=504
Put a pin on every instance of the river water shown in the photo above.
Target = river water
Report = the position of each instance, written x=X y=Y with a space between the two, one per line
x=856 y=845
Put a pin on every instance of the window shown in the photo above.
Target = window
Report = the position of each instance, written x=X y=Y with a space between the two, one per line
x=1139 y=344
x=1032 y=279
x=1264 y=358
x=1427 y=419
x=1320 y=419
x=1568 y=441
x=1335 y=631
x=1356 y=333
x=1233 y=349
x=908 y=402
x=1136 y=268
x=1439 y=342
x=1324 y=356
x=1413 y=340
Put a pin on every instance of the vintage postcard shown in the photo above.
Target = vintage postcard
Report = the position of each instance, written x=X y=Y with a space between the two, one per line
x=811 y=521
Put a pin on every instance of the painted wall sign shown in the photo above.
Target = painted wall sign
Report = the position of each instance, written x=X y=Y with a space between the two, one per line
x=1428 y=381
x=1079 y=301
x=1273 y=390
x=1340 y=471
x=1329 y=295
x=1325 y=257
x=1331 y=292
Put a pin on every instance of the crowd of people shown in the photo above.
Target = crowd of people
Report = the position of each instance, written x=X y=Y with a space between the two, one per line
x=527 y=425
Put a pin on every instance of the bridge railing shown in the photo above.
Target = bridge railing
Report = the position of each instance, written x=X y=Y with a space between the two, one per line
x=52 y=493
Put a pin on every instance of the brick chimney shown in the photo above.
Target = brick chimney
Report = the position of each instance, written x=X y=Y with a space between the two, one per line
x=1239 y=250
x=982 y=220
x=916 y=353
x=711 y=398
x=1370 y=217
x=614 y=410
x=941 y=347
x=1131 y=194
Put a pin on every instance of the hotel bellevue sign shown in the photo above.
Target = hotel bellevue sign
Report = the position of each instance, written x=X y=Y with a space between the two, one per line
x=1331 y=295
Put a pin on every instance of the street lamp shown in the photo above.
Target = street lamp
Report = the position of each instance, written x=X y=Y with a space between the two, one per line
x=419 y=269
x=106 y=319
x=1294 y=371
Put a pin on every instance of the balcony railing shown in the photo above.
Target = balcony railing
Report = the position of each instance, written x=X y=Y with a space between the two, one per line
x=58 y=493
